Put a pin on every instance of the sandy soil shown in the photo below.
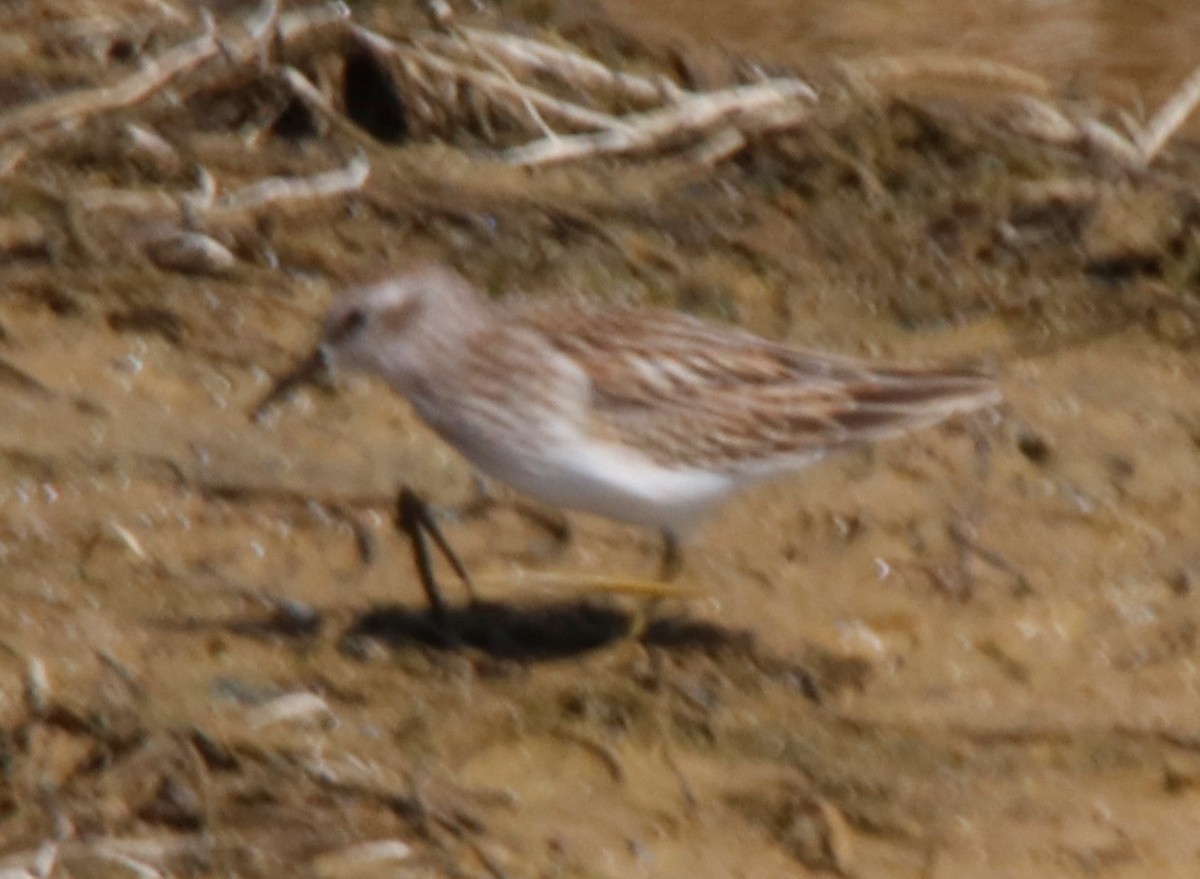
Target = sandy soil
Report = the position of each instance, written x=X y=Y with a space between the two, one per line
x=969 y=652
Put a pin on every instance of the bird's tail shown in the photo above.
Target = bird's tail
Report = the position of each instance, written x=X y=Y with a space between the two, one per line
x=893 y=401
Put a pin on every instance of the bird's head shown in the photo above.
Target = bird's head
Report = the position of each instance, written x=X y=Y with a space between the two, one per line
x=376 y=327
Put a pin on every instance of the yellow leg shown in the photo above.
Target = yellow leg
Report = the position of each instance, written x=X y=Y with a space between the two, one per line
x=633 y=587
x=415 y=519
x=648 y=592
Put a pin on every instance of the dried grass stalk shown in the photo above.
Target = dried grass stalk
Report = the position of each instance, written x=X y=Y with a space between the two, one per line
x=974 y=71
x=1170 y=117
x=580 y=71
x=435 y=78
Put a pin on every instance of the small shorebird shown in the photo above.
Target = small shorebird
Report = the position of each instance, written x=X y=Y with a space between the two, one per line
x=643 y=416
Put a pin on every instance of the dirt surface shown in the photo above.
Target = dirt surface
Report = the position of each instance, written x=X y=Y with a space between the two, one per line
x=971 y=652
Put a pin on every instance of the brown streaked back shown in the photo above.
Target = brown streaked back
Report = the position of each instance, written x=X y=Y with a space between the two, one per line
x=691 y=393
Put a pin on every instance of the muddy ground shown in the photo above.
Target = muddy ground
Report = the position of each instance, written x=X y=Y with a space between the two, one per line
x=971 y=652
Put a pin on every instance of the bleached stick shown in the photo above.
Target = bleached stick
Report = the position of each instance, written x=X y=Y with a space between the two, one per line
x=91 y=102
x=275 y=189
x=1170 y=116
x=82 y=104
x=694 y=113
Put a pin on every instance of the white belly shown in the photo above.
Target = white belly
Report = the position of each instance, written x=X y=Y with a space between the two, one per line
x=608 y=480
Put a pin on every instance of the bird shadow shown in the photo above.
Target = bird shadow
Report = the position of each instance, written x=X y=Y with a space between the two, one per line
x=521 y=632
x=545 y=631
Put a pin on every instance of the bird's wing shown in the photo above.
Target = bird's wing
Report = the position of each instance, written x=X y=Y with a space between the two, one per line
x=694 y=393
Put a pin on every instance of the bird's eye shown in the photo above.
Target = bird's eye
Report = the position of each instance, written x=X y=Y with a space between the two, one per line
x=349 y=325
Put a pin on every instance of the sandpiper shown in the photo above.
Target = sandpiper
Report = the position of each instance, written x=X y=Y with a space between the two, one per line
x=643 y=416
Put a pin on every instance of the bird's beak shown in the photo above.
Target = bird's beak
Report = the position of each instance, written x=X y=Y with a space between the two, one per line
x=308 y=370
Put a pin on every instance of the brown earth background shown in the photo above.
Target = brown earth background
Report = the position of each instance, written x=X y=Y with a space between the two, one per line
x=971 y=652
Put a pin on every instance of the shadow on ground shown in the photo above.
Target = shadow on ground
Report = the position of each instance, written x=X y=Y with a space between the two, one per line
x=545 y=631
